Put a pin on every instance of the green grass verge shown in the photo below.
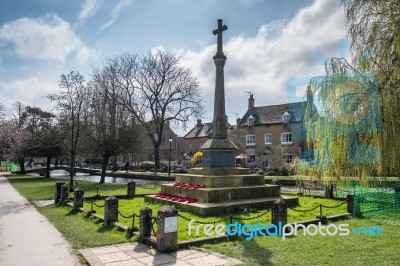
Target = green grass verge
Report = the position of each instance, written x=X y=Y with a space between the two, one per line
x=318 y=250
x=84 y=232
x=80 y=231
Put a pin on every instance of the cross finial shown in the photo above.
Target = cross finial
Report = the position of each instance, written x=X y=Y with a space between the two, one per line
x=218 y=32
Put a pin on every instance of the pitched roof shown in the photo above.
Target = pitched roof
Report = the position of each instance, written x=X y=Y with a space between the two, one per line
x=202 y=130
x=199 y=131
x=272 y=114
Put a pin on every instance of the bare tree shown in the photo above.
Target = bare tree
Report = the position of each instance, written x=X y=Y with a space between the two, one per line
x=16 y=114
x=157 y=90
x=112 y=129
x=72 y=103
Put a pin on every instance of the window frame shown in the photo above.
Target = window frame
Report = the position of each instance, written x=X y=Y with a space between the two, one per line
x=250 y=118
x=282 y=138
x=253 y=136
x=286 y=118
x=287 y=157
x=251 y=155
x=270 y=139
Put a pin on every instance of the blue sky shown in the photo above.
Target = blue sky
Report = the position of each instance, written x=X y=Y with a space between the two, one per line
x=268 y=43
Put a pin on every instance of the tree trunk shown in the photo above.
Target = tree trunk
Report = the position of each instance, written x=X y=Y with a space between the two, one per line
x=48 y=166
x=22 y=165
x=71 y=172
x=157 y=157
x=103 y=169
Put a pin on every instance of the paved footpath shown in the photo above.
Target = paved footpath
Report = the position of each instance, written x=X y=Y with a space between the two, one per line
x=139 y=254
x=26 y=236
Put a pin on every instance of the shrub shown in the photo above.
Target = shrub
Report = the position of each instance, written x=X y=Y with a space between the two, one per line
x=197 y=158
x=284 y=171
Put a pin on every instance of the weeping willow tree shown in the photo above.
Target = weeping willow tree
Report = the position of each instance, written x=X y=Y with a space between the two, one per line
x=374 y=26
x=342 y=120
x=354 y=127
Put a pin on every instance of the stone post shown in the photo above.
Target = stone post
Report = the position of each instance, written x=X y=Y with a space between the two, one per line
x=64 y=193
x=145 y=223
x=110 y=210
x=167 y=229
x=279 y=212
x=131 y=189
x=329 y=191
x=350 y=203
x=57 y=194
x=78 y=198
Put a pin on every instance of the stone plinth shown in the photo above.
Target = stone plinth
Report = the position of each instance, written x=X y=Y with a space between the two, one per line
x=222 y=194
x=219 y=153
x=231 y=177
x=223 y=191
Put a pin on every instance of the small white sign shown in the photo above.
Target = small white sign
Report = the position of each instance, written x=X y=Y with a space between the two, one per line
x=171 y=224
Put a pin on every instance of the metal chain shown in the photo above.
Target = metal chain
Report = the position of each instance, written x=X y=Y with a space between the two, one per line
x=87 y=201
x=144 y=187
x=99 y=206
x=331 y=207
x=297 y=210
x=250 y=218
x=124 y=216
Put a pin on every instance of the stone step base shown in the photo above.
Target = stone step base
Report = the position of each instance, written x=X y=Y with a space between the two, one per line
x=207 y=209
x=221 y=181
x=210 y=195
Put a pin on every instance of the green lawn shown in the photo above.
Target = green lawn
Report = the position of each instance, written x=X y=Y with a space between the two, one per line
x=318 y=250
x=352 y=250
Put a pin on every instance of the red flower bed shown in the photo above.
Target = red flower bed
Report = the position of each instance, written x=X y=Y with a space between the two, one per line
x=189 y=185
x=175 y=198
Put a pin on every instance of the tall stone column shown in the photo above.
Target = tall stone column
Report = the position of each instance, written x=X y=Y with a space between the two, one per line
x=219 y=152
x=219 y=121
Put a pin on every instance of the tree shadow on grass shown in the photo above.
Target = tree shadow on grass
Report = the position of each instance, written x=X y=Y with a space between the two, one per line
x=28 y=179
x=260 y=255
x=72 y=212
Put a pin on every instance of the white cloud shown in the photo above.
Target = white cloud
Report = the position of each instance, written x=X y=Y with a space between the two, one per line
x=122 y=4
x=88 y=9
x=29 y=91
x=280 y=51
x=47 y=38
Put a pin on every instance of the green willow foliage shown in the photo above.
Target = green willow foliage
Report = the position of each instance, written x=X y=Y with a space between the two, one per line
x=353 y=124
x=343 y=121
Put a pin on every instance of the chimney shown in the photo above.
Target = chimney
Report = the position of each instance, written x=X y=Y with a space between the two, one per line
x=198 y=123
x=238 y=120
x=309 y=93
x=251 y=101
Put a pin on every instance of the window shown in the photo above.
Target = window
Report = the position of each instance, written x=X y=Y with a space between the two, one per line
x=287 y=158
x=251 y=155
x=251 y=140
x=250 y=121
x=286 y=118
x=268 y=138
x=286 y=138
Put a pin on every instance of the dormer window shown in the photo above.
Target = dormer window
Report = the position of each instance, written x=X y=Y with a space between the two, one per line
x=250 y=121
x=286 y=118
